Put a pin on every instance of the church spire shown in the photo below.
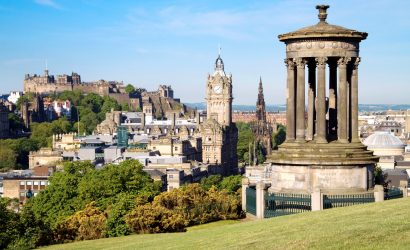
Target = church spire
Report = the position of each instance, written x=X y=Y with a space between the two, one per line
x=260 y=104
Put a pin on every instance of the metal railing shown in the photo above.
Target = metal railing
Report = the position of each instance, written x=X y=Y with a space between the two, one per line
x=345 y=200
x=251 y=200
x=393 y=193
x=278 y=204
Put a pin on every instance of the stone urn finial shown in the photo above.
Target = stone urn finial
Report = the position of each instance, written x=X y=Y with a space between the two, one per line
x=322 y=12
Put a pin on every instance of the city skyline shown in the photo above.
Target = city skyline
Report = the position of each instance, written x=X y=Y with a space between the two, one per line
x=148 y=44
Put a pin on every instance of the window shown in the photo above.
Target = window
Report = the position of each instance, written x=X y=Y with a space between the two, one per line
x=22 y=194
x=176 y=148
x=35 y=183
x=29 y=183
x=170 y=176
x=21 y=183
x=42 y=183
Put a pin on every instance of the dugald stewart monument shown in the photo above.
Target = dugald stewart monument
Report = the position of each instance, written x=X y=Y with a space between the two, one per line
x=328 y=155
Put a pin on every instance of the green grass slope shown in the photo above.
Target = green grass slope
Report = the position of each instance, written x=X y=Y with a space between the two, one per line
x=384 y=225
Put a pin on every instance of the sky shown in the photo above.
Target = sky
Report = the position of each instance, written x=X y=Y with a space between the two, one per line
x=147 y=43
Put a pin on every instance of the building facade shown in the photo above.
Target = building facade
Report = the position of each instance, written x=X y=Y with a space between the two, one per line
x=219 y=133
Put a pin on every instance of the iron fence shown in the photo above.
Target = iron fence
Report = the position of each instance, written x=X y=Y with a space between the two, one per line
x=278 y=204
x=251 y=200
x=345 y=200
x=393 y=193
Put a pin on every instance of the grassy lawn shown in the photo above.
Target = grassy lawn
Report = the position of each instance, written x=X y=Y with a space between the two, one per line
x=384 y=225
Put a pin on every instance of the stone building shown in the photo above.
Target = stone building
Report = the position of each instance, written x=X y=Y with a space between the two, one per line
x=261 y=128
x=4 y=121
x=219 y=133
x=50 y=84
x=44 y=157
x=33 y=111
x=22 y=188
x=387 y=146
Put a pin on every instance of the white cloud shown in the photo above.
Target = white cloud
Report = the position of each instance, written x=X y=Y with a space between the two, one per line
x=48 y=3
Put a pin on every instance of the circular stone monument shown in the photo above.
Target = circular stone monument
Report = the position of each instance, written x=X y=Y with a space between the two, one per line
x=322 y=148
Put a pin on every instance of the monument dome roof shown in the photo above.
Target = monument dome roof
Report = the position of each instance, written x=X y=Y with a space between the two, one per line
x=323 y=30
x=383 y=140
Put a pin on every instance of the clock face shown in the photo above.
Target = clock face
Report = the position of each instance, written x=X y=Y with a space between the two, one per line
x=218 y=89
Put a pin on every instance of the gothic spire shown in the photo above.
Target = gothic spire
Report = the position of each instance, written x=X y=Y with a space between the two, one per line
x=260 y=104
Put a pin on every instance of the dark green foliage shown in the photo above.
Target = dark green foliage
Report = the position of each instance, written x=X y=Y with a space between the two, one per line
x=9 y=223
x=28 y=97
x=15 y=152
x=7 y=157
x=80 y=184
x=16 y=123
x=231 y=183
x=279 y=137
x=245 y=138
x=213 y=180
x=129 y=89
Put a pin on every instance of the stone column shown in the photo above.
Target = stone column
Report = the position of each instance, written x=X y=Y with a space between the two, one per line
x=332 y=100
x=378 y=193
x=355 y=101
x=342 y=100
x=245 y=185
x=317 y=200
x=403 y=188
x=300 y=100
x=290 y=101
x=311 y=100
x=260 y=200
x=321 y=100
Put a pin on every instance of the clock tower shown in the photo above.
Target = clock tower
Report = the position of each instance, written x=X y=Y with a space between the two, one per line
x=219 y=95
x=219 y=134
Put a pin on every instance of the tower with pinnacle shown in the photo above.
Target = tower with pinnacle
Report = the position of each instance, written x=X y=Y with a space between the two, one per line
x=219 y=134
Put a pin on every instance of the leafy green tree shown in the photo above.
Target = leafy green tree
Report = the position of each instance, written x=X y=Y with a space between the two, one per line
x=129 y=89
x=125 y=107
x=16 y=123
x=60 y=199
x=74 y=96
x=8 y=158
x=279 y=137
x=231 y=183
x=93 y=102
x=213 y=180
x=26 y=97
x=9 y=223
x=245 y=138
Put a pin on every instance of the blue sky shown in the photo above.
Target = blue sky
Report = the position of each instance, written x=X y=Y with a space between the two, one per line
x=148 y=43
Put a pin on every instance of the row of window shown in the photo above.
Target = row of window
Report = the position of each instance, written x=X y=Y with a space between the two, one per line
x=35 y=183
x=24 y=194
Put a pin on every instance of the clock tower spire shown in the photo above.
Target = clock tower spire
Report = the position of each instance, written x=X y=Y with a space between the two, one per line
x=219 y=94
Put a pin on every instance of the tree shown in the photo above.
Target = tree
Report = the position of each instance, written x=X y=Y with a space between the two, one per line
x=213 y=180
x=87 y=224
x=129 y=89
x=9 y=223
x=279 y=137
x=231 y=183
x=245 y=138
x=8 y=157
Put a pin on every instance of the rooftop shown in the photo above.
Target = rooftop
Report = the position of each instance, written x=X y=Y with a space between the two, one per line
x=323 y=30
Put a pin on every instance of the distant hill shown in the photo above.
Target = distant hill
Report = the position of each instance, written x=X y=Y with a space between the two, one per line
x=282 y=107
x=382 y=225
